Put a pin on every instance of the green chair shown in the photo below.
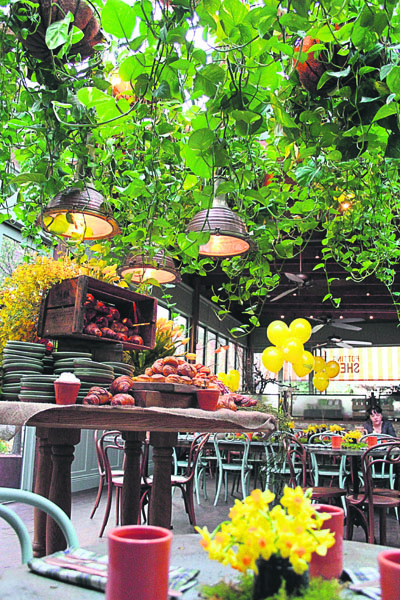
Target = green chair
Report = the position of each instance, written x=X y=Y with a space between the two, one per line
x=8 y=514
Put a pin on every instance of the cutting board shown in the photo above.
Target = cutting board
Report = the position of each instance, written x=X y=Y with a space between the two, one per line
x=173 y=395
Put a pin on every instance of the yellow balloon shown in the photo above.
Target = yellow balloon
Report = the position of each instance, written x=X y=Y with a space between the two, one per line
x=319 y=363
x=301 y=329
x=320 y=382
x=272 y=359
x=332 y=368
x=305 y=365
x=235 y=377
x=222 y=377
x=277 y=332
x=292 y=350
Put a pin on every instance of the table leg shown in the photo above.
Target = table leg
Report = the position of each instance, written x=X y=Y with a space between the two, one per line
x=63 y=442
x=132 y=483
x=43 y=468
x=354 y=475
x=161 y=500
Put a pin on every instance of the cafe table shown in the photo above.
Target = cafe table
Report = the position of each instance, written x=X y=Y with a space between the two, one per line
x=58 y=431
x=20 y=584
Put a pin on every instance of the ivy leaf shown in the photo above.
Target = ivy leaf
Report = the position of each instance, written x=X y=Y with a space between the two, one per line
x=57 y=33
x=202 y=139
x=386 y=111
x=393 y=80
x=29 y=178
x=118 y=19
x=163 y=91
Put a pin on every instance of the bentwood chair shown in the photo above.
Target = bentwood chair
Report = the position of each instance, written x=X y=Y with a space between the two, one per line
x=239 y=466
x=361 y=508
x=111 y=441
x=301 y=473
x=98 y=444
x=185 y=482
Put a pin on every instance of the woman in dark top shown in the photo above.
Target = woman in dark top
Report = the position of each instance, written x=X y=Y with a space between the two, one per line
x=376 y=423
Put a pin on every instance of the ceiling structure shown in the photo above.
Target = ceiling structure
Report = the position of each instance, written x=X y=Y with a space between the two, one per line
x=301 y=292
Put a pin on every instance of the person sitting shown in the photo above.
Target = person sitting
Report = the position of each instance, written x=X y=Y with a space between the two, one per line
x=376 y=422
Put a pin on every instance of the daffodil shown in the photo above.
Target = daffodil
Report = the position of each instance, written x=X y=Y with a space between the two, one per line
x=290 y=530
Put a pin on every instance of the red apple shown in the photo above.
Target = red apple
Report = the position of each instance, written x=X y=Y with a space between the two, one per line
x=136 y=339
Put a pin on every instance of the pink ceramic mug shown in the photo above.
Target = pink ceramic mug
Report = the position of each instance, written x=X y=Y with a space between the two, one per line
x=331 y=565
x=138 y=563
x=389 y=568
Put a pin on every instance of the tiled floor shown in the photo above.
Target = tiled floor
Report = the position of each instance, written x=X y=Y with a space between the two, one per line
x=88 y=529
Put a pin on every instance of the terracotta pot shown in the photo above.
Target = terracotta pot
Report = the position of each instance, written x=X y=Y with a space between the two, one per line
x=207 y=399
x=48 y=13
x=389 y=568
x=330 y=566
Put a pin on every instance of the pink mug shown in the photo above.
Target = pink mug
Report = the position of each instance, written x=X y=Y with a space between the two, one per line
x=372 y=440
x=389 y=568
x=138 y=563
x=336 y=441
x=330 y=566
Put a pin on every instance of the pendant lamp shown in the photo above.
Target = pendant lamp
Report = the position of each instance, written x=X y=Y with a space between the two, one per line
x=161 y=267
x=81 y=214
x=228 y=234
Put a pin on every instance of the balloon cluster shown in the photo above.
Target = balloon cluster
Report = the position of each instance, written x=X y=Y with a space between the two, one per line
x=289 y=345
x=231 y=380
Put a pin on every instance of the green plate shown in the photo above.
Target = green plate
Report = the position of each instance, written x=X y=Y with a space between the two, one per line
x=39 y=387
x=10 y=397
x=121 y=364
x=95 y=380
x=11 y=388
x=15 y=354
x=17 y=368
x=11 y=362
x=61 y=355
x=63 y=364
x=36 y=399
x=42 y=378
x=25 y=344
x=90 y=364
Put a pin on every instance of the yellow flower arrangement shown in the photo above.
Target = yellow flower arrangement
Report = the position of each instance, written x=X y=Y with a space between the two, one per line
x=335 y=428
x=291 y=530
x=169 y=337
x=22 y=293
x=352 y=437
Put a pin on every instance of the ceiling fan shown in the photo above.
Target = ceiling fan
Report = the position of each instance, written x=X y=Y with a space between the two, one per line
x=302 y=281
x=338 y=341
x=339 y=323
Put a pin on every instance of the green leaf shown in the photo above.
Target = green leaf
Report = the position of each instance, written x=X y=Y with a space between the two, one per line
x=393 y=80
x=57 y=33
x=163 y=91
x=386 y=111
x=202 y=140
x=118 y=19
x=29 y=178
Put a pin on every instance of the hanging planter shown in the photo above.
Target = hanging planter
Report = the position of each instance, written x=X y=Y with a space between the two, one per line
x=37 y=18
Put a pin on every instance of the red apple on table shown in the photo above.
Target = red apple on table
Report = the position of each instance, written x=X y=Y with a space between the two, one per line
x=136 y=339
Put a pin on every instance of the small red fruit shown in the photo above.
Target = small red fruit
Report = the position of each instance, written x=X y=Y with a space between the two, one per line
x=311 y=70
x=136 y=339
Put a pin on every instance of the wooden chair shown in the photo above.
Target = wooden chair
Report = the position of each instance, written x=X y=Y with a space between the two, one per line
x=112 y=441
x=8 y=514
x=184 y=482
x=361 y=507
x=301 y=473
x=98 y=444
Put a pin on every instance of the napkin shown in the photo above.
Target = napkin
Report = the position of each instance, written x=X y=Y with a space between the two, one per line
x=88 y=569
x=364 y=580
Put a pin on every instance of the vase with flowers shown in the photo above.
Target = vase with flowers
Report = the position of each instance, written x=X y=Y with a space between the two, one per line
x=275 y=543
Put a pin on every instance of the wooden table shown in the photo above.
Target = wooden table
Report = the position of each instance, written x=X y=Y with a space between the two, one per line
x=58 y=431
x=20 y=584
x=353 y=454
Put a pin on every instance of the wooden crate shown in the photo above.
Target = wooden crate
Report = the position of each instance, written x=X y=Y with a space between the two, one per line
x=62 y=310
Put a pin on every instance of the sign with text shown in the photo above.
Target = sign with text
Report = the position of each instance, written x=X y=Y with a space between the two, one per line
x=366 y=364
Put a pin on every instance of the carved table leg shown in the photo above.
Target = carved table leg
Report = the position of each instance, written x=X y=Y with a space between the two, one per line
x=43 y=469
x=63 y=442
x=131 y=488
x=161 y=500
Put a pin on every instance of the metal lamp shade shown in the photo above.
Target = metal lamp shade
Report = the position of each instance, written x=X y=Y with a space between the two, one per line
x=161 y=267
x=229 y=235
x=86 y=215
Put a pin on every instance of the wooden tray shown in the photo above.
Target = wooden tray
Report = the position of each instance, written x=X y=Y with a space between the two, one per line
x=167 y=395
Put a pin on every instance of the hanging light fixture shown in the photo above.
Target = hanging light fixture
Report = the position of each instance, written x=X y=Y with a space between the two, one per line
x=81 y=214
x=228 y=234
x=161 y=267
